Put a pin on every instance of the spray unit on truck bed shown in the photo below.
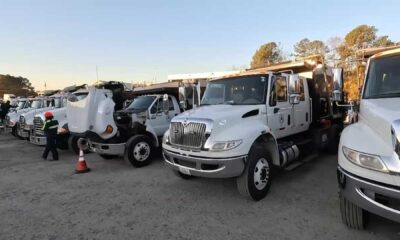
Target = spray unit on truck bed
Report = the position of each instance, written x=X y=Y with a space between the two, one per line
x=135 y=131
x=369 y=150
x=254 y=121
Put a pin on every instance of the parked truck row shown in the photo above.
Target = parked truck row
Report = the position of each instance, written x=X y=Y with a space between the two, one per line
x=244 y=126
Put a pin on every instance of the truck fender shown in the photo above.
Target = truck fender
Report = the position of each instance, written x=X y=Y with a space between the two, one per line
x=151 y=133
x=268 y=140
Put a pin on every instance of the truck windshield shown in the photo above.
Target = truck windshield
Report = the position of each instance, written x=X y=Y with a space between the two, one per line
x=55 y=102
x=383 y=78
x=243 y=90
x=142 y=103
x=35 y=103
x=21 y=105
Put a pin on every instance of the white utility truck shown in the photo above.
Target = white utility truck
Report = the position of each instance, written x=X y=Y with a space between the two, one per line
x=257 y=120
x=12 y=118
x=25 y=123
x=135 y=131
x=369 y=150
x=64 y=139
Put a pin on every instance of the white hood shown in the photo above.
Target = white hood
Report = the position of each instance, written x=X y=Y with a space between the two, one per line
x=379 y=115
x=93 y=113
x=218 y=113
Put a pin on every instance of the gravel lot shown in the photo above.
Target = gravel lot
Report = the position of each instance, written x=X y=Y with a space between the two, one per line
x=46 y=200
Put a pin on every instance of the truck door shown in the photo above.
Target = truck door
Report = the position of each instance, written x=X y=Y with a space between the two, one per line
x=302 y=109
x=159 y=121
x=278 y=107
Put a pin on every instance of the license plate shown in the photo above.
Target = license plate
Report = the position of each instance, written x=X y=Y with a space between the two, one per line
x=184 y=170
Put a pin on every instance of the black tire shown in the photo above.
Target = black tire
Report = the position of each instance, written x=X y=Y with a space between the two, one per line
x=14 y=131
x=352 y=215
x=73 y=145
x=182 y=175
x=139 y=150
x=247 y=184
x=105 y=156
x=17 y=130
x=334 y=137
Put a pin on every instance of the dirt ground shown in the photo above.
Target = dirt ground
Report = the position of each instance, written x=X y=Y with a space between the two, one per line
x=46 y=200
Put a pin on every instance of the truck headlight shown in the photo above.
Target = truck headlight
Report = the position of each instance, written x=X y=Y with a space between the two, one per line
x=226 y=145
x=365 y=160
x=166 y=138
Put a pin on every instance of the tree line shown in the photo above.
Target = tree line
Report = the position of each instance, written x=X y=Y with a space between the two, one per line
x=335 y=51
x=19 y=86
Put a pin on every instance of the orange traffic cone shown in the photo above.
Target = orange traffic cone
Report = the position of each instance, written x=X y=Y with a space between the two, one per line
x=81 y=166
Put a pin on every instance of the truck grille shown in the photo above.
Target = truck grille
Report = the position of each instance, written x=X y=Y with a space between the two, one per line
x=22 y=121
x=190 y=135
x=37 y=126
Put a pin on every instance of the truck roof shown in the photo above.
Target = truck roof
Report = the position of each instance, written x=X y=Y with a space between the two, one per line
x=393 y=51
x=377 y=51
x=297 y=66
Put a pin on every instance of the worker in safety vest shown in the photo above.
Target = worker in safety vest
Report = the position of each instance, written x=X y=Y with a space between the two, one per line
x=50 y=129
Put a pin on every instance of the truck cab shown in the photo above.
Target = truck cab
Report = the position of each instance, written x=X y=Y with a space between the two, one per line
x=369 y=150
x=134 y=132
x=12 y=118
x=254 y=121
x=25 y=124
x=64 y=139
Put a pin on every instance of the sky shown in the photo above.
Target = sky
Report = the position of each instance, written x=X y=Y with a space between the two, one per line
x=60 y=43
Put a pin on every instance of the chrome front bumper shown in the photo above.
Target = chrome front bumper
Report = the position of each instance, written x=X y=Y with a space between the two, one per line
x=363 y=193
x=205 y=167
x=107 y=149
x=22 y=133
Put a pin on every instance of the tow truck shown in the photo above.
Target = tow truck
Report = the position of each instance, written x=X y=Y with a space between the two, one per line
x=136 y=131
x=369 y=150
x=253 y=122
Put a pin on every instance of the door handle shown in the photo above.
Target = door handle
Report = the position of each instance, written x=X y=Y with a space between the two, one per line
x=276 y=110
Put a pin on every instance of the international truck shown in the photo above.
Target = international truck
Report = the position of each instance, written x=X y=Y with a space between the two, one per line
x=135 y=131
x=252 y=123
x=368 y=155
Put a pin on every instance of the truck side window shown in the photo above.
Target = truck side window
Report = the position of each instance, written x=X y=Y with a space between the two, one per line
x=272 y=95
x=157 y=106
x=281 y=89
x=302 y=98
x=171 y=104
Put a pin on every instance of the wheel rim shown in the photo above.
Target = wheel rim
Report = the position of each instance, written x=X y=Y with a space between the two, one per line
x=141 y=151
x=261 y=174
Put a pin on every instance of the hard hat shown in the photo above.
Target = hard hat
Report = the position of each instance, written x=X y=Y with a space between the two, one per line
x=48 y=115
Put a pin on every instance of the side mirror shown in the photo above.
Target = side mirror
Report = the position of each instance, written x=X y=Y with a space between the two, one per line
x=337 y=84
x=183 y=105
x=294 y=98
x=165 y=104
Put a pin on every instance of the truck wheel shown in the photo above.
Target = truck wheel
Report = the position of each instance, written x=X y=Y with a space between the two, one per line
x=334 y=137
x=139 y=150
x=73 y=145
x=255 y=181
x=352 y=215
x=14 y=131
x=18 y=130
x=182 y=175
